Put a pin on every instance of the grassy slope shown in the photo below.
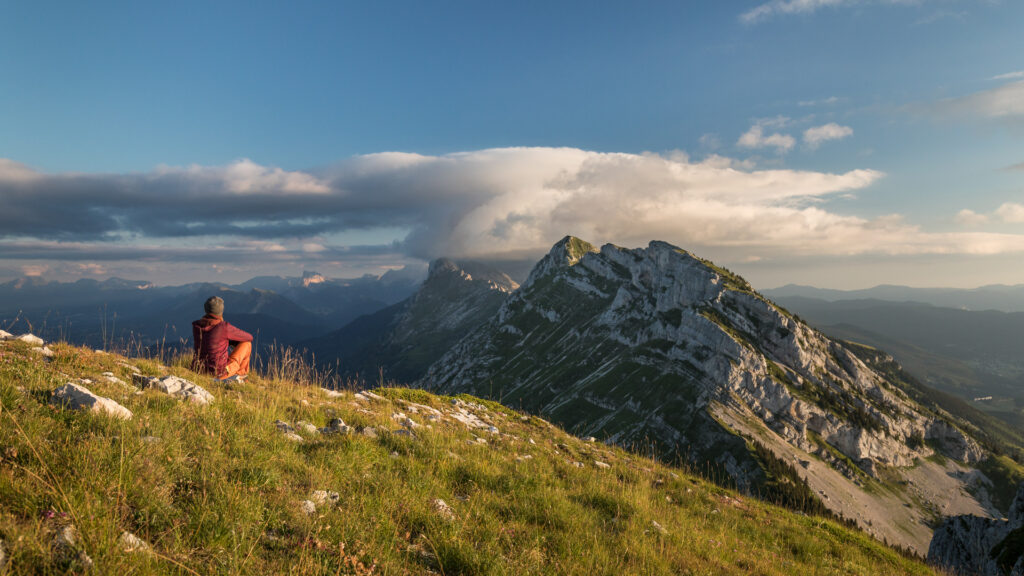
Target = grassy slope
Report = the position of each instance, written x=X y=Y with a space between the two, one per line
x=219 y=493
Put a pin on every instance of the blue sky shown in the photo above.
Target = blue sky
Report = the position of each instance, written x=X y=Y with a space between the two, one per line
x=888 y=130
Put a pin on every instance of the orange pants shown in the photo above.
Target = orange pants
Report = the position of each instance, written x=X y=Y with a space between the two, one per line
x=238 y=361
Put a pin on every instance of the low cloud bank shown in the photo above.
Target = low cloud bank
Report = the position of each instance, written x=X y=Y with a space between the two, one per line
x=497 y=203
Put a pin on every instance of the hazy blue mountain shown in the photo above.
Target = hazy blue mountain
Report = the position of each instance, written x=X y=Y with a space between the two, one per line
x=398 y=343
x=281 y=309
x=992 y=297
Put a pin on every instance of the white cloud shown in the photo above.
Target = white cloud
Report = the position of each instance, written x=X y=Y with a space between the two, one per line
x=773 y=8
x=1002 y=102
x=823 y=102
x=1010 y=76
x=970 y=218
x=769 y=9
x=1011 y=212
x=1008 y=212
x=247 y=177
x=11 y=171
x=756 y=137
x=508 y=202
x=817 y=135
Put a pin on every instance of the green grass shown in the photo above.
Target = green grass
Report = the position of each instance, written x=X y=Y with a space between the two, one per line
x=1005 y=475
x=219 y=492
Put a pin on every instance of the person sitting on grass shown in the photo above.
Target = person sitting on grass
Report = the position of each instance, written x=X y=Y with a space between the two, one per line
x=211 y=339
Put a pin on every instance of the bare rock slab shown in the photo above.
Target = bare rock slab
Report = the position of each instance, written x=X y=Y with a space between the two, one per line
x=75 y=397
x=31 y=339
x=131 y=543
x=175 y=386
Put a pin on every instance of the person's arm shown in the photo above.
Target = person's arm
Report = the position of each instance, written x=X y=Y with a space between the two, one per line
x=235 y=335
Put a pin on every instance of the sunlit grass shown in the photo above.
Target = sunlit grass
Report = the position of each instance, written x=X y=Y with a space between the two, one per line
x=216 y=489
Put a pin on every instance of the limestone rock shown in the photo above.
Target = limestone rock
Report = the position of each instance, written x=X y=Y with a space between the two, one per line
x=443 y=509
x=134 y=369
x=175 y=386
x=336 y=426
x=31 y=339
x=308 y=507
x=325 y=497
x=77 y=397
x=4 y=559
x=109 y=377
x=5 y=335
x=307 y=427
x=43 y=351
x=131 y=543
x=67 y=548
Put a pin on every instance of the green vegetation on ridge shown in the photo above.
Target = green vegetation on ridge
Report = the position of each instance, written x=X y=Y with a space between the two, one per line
x=216 y=489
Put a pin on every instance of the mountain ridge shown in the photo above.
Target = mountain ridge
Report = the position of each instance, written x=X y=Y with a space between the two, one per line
x=658 y=345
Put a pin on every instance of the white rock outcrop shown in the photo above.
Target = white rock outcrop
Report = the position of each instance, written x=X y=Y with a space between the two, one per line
x=131 y=543
x=175 y=386
x=76 y=397
x=31 y=339
x=443 y=509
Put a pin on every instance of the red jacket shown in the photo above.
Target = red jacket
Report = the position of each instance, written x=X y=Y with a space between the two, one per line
x=211 y=336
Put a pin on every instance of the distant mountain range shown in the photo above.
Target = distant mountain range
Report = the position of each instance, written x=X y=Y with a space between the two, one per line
x=972 y=354
x=139 y=314
x=400 y=342
x=992 y=297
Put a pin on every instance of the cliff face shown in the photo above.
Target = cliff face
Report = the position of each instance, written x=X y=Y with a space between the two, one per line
x=659 y=347
x=990 y=547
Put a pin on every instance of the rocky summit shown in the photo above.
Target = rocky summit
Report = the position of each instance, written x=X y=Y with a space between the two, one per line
x=657 y=348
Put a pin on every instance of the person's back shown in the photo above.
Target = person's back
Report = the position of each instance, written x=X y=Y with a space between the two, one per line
x=212 y=337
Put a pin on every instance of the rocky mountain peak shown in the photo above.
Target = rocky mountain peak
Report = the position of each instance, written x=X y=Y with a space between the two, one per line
x=442 y=266
x=658 y=346
x=311 y=278
x=445 y=271
x=566 y=252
